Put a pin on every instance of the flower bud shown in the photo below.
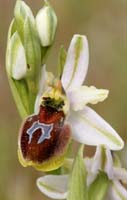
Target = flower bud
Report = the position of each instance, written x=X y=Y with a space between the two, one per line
x=44 y=139
x=21 y=12
x=17 y=67
x=46 y=23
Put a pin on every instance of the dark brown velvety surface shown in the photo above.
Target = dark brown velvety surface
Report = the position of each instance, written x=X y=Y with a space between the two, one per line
x=56 y=145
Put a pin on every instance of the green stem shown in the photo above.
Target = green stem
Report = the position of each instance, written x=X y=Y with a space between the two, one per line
x=32 y=88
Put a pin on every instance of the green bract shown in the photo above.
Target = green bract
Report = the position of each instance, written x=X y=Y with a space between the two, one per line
x=24 y=57
x=78 y=185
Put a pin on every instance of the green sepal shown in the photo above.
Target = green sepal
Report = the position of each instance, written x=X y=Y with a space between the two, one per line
x=99 y=187
x=77 y=185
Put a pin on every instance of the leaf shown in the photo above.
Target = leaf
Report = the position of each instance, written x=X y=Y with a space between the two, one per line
x=98 y=188
x=77 y=186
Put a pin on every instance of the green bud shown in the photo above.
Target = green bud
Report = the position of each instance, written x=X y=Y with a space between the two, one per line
x=21 y=12
x=46 y=23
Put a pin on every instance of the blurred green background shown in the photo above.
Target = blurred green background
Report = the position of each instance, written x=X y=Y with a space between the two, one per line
x=105 y=24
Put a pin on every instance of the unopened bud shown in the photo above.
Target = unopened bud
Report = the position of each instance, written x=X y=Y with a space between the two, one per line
x=16 y=58
x=21 y=12
x=46 y=23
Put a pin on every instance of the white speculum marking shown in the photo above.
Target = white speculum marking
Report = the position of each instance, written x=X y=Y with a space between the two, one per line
x=45 y=129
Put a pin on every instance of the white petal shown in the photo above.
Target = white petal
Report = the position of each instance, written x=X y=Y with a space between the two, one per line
x=76 y=65
x=117 y=191
x=17 y=58
x=54 y=186
x=79 y=97
x=89 y=128
x=120 y=174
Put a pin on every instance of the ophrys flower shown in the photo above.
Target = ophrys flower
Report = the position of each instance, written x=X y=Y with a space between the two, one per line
x=66 y=98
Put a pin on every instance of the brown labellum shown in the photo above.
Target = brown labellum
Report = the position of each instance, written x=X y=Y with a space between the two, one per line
x=44 y=136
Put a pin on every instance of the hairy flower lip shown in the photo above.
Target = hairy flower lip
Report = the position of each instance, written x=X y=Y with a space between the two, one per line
x=37 y=147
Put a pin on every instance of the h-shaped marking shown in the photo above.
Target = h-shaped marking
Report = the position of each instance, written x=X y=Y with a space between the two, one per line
x=45 y=130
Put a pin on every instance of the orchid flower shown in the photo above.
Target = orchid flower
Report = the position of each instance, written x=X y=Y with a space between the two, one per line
x=87 y=126
x=102 y=161
x=68 y=99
